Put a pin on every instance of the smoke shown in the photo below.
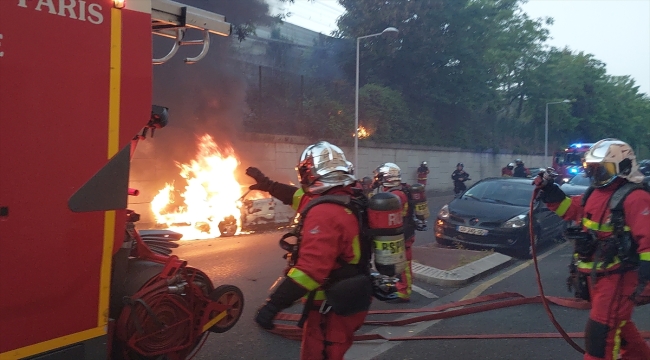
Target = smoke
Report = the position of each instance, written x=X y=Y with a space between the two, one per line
x=206 y=97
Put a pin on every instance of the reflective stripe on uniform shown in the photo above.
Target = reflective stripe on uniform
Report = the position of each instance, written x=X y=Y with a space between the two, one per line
x=356 y=249
x=592 y=225
x=585 y=265
x=617 y=340
x=302 y=279
x=320 y=295
x=564 y=206
x=644 y=256
x=297 y=197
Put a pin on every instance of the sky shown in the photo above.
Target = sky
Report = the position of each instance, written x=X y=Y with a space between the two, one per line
x=616 y=32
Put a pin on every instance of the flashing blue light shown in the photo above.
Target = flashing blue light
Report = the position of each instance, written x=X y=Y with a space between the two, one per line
x=578 y=145
x=573 y=170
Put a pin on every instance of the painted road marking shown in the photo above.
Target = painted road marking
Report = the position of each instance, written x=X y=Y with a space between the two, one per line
x=368 y=350
x=478 y=290
x=423 y=292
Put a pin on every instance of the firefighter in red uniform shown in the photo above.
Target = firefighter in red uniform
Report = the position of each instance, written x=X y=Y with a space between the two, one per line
x=329 y=244
x=612 y=256
x=508 y=170
x=388 y=178
x=423 y=172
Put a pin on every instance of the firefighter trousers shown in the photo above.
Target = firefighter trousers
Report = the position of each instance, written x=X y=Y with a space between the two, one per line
x=609 y=331
x=328 y=336
x=406 y=277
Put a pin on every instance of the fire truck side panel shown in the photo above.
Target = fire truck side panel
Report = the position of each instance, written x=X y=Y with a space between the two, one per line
x=59 y=70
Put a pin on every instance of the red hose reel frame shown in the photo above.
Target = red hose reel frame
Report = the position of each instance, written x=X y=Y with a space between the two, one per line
x=156 y=321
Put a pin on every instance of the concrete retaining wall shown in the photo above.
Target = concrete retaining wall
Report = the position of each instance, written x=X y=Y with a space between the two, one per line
x=277 y=157
x=282 y=158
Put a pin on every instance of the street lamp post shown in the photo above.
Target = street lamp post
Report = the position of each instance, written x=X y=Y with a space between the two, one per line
x=546 y=127
x=356 y=95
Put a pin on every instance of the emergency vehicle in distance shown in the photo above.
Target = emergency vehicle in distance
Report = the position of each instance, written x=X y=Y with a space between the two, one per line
x=79 y=281
x=568 y=163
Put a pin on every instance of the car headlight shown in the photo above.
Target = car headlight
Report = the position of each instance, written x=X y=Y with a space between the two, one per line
x=444 y=212
x=516 y=222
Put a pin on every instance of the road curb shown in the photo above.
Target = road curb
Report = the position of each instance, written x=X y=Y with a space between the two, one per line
x=462 y=275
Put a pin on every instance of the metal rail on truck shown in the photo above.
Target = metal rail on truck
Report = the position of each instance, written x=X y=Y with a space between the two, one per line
x=171 y=19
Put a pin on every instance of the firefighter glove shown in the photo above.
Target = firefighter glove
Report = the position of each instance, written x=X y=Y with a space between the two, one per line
x=262 y=182
x=284 y=296
x=551 y=193
x=641 y=295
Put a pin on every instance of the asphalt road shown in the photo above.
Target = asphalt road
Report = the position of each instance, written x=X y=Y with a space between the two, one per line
x=254 y=262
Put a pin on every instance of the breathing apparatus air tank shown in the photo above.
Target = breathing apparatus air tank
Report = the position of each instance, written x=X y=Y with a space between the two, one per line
x=386 y=227
x=419 y=197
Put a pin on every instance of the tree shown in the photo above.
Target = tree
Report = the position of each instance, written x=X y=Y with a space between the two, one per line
x=384 y=113
x=452 y=60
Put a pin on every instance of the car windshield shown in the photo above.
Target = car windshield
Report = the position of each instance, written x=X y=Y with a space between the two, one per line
x=644 y=167
x=573 y=159
x=501 y=192
x=580 y=180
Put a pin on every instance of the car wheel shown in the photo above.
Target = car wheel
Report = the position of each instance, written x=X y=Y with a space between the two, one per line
x=443 y=242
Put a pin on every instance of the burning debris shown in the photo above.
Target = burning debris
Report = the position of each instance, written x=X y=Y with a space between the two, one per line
x=362 y=132
x=211 y=194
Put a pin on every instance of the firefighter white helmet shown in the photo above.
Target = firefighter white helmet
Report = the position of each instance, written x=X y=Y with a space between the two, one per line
x=608 y=159
x=350 y=167
x=323 y=166
x=388 y=175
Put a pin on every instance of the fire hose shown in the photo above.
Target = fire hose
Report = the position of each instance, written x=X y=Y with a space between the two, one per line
x=466 y=307
x=533 y=247
x=459 y=308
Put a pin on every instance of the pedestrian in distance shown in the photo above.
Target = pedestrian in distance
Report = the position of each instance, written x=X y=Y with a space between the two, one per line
x=459 y=176
x=366 y=186
x=611 y=262
x=327 y=253
x=520 y=170
x=423 y=173
x=388 y=178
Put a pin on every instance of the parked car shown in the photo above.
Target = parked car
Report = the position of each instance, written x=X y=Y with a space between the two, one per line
x=534 y=171
x=577 y=185
x=644 y=167
x=493 y=214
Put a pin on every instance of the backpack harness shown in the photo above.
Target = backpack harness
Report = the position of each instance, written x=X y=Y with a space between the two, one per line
x=355 y=279
x=620 y=244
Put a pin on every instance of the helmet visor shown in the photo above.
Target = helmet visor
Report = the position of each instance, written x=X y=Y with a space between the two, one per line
x=600 y=173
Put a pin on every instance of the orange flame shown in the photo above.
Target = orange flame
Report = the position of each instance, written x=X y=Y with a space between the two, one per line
x=211 y=194
x=362 y=132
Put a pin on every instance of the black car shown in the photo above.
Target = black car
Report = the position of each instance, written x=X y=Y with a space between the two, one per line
x=644 y=167
x=534 y=171
x=577 y=185
x=493 y=214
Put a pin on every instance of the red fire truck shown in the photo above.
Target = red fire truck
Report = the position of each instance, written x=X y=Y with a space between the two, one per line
x=568 y=163
x=78 y=280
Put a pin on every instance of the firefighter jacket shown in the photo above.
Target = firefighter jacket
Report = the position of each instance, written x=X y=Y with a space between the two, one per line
x=330 y=233
x=423 y=171
x=595 y=215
